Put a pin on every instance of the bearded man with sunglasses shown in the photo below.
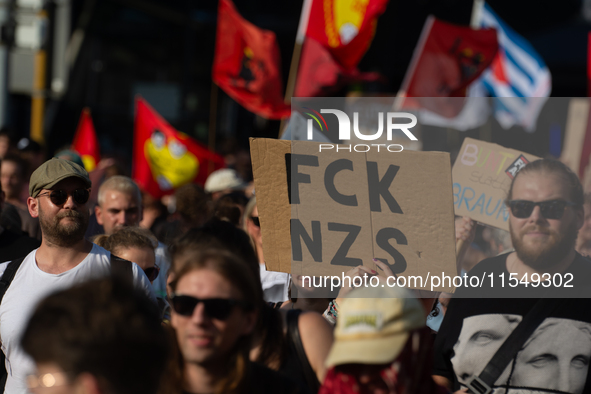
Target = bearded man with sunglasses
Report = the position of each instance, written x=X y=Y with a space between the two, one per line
x=59 y=191
x=545 y=203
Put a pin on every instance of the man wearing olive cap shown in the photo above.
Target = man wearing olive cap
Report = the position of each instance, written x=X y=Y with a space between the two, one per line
x=59 y=192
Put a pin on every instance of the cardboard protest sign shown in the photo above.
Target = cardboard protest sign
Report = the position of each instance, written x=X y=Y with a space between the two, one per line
x=574 y=137
x=324 y=212
x=482 y=176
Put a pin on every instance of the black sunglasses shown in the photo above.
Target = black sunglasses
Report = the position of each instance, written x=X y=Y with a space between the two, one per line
x=216 y=308
x=553 y=209
x=256 y=221
x=59 y=197
x=152 y=272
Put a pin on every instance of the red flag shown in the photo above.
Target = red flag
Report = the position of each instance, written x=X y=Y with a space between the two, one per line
x=447 y=59
x=164 y=158
x=319 y=73
x=247 y=65
x=85 y=141
x=345 y=27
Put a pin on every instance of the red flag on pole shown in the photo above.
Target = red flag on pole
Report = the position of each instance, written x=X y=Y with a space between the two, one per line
x=319 y=73
x=345 y=27
x=338 y=34
x=247 y=65
x=164 y=158
x=85 y=141
x=447 y=59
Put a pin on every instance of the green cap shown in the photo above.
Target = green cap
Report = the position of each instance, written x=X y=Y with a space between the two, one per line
x=48 y=174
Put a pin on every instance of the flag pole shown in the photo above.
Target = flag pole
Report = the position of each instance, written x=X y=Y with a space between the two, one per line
x=295 y=57
x=477 y=7
x=213 y=109
x=413 y=63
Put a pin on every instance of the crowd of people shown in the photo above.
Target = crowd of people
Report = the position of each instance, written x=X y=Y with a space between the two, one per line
x=105 y=289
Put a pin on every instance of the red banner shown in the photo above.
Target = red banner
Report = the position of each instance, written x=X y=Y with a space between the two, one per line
x=447 y=59
x=345 y=27
x=319 y=74
x=247 y=64
x=85 y=141
x=164 y=158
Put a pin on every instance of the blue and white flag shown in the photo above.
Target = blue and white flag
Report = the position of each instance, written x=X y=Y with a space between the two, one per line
x=518 y=77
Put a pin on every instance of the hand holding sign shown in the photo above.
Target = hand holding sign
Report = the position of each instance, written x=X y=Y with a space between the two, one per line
x=348 y=285
x=465 y=229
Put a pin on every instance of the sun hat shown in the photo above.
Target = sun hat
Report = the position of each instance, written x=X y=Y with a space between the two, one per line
x=373 y=325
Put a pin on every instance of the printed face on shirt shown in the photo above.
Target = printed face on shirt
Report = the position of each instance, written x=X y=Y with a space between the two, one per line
x=481 y=336
x=540 y=242
x=556 y=357
x=118 y=210
x=202 y=339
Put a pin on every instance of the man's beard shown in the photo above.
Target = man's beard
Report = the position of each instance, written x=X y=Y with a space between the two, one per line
x=547 y=254
x=63 y=234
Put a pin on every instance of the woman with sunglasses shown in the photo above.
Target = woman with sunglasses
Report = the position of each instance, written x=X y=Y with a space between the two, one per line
x=134 y=244
x=215 y=300
x=137 y=245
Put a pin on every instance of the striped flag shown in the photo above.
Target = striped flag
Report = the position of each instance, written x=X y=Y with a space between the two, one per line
x=518 y=77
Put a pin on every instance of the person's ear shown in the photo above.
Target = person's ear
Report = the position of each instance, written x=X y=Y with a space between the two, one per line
x=33 y=206
x=580 y=217
x=99 y=214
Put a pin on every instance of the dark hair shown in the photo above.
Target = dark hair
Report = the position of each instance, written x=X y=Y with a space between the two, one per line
x=192 y=204
x=85 y=328
x=227 y=207
x=191 y=257
x=571 y=180
x=127 y=237
x=218 y=234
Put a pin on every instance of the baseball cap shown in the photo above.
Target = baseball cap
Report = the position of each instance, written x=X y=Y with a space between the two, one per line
x=223 y=179
x=373 y=325
x=48 y=174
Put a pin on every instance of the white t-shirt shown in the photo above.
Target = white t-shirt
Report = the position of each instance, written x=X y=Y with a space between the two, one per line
x=275 y=284
x=29 y=286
